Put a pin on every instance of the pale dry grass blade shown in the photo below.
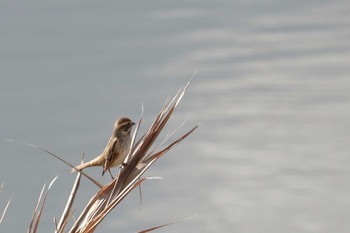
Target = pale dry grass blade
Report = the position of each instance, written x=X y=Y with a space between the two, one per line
x=5 y=209
x=67 y=212
x=126 y=161
x=164 y=140
x=57 y=157
x=36 y=209
x=164 y=225
x=38 y=215
x=157 y=227
x=166 y=149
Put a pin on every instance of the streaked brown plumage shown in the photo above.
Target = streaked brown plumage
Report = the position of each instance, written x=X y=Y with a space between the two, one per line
x=117 y=147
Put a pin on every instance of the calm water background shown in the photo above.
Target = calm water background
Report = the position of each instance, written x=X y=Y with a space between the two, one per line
x=272 y=92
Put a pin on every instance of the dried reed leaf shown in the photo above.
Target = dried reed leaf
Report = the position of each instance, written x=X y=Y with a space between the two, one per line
x=126 y=161
x=38 y=217
x=67 y=210
x=164 y=225
x=35 y=209
x=5 y=209
x=157 y=227
x=57 y=157
x=164 y=140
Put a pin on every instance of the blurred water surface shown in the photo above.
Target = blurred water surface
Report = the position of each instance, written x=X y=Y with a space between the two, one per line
x=272 y=92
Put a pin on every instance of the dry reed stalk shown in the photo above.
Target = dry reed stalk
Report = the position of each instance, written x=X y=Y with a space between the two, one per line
x=7 y=205
x=33 y=227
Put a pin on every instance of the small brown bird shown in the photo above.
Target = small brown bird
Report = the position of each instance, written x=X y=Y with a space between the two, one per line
x=117 y=147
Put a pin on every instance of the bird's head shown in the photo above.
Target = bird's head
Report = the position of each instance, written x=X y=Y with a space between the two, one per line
x=124 y=124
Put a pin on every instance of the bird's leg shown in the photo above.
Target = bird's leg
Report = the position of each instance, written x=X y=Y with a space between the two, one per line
x=111 y=174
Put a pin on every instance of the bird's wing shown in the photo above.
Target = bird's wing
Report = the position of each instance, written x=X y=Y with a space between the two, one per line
x=110 y=153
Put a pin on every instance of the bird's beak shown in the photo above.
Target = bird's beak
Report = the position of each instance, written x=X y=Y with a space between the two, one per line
x=133 y=123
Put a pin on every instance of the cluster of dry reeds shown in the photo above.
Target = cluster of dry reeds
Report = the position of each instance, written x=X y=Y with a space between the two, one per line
x=110 y=195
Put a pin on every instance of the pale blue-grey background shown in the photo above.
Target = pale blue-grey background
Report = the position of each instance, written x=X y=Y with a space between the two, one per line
x=272 y=92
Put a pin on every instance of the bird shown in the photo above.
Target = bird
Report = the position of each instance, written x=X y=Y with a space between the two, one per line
x=116 y=149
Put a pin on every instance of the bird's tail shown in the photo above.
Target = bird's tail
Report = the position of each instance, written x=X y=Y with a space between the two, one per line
x=95 y=162
x=80 y=167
